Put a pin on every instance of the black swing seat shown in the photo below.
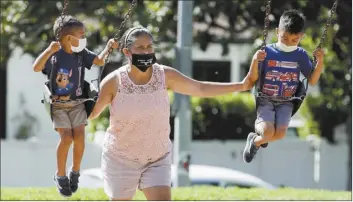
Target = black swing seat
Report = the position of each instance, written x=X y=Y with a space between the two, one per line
x=297 y=99
x=90 y=96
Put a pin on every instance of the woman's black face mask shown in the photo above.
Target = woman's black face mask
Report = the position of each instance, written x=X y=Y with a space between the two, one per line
x=143 y=61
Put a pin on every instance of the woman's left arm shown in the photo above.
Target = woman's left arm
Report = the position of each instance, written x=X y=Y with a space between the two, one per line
x=182 y=84
x=107 y=93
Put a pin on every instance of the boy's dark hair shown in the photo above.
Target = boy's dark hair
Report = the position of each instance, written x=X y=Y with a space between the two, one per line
x=68 y=23
x=292 y=21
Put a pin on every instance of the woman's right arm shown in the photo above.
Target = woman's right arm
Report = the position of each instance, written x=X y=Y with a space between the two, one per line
x=109 y=87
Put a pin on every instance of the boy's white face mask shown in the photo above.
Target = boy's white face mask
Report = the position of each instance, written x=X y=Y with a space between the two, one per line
x=81 y=45
x=283 y=47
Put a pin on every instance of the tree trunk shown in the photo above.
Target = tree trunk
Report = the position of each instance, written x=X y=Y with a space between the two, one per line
x=3 y=89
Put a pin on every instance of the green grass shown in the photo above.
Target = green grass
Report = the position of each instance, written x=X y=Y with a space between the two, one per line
x=189 y=193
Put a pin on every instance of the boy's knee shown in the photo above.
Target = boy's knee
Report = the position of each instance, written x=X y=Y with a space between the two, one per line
x=79 y=130
x=66 y=136
x=280 y=132
x=265 y=129
x=79 y=133
x=269 y=132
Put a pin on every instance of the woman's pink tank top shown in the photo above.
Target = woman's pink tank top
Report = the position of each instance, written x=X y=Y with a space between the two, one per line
x=139 y=119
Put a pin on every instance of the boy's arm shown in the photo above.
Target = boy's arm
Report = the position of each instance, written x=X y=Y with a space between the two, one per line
x=42 y=59
x=315 y=75
x=253 y=75
x=89 y=58
x=99 y=60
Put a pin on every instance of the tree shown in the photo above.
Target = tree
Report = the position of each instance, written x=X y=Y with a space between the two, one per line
x=28 y=24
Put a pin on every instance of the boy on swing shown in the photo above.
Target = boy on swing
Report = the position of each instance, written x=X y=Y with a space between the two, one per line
x=70 y=118
x=282 y=64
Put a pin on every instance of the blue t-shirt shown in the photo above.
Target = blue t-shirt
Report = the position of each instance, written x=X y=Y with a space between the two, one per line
x=69 y=72
x=281 y=73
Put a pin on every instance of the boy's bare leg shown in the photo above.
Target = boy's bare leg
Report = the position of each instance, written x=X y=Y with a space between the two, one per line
x=78 y=117
x=62 y=150
x=264 y=125
x=79 y=147
x=266 y=131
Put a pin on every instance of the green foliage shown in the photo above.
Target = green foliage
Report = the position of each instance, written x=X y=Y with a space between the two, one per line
x=331 y=107
x=311 y=126
x=101 y=123
x=29 y=26
x=229 y=116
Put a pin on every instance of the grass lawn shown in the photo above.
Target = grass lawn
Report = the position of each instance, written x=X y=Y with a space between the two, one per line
x=188 y=193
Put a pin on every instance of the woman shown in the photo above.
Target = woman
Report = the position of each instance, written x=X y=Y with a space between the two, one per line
x=137 y=148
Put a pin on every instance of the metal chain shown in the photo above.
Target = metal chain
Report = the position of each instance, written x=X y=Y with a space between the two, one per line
x=63 y=14
x=122 y=25
x=324 y=34
x=286 y=98
x=116 y=38
x=267 y=22
x=328 y=23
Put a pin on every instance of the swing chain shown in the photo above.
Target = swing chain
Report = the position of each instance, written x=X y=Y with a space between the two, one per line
x=328 y=23
x=63 y=14
x=267 y=22
x=122 y=25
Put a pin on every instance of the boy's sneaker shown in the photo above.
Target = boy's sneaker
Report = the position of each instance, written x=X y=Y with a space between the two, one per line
x=264 y=145
x=63 y=185
x=250 y=148
x=74 y=180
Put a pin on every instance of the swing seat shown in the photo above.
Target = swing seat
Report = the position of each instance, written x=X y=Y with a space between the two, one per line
x=90 y=95
x=297 y=99
x=47 y=99
x=300 y=93
x=89 y=92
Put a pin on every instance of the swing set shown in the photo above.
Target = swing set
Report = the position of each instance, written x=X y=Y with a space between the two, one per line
x=302 y=89
x=90 y=92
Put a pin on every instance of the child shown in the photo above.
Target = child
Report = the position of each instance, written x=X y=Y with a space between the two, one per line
x=69 y=119
x=282 y=64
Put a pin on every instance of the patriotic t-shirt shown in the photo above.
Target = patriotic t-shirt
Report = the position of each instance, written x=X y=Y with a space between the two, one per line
x=282 y=70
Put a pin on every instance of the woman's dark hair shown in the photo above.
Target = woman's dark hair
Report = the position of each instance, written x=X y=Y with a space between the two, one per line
x=130 y=36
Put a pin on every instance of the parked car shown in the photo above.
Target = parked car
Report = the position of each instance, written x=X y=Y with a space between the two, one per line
x=199 y=175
